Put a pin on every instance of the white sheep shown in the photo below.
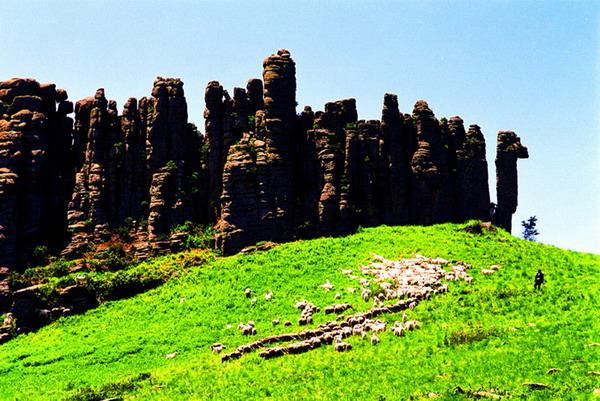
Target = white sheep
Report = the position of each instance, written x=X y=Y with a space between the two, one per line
x=398 y=329
x=365 y=294
x=327 y=286
x=301 y=304
x=378 y=326
x=81 y=280
x=269 y=295
x=8 y=319
x=337 y=295
x=247 y=329
x=374 y=339
x=412 y=325
x=248 y=292
x=217 y=347
x=342 y=346
x=358 y=330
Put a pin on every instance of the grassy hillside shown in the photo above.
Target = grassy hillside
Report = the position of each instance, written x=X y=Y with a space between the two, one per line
x=495 y=333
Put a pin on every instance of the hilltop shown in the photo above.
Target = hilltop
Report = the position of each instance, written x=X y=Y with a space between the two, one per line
x=493 y=335
x=75 y=174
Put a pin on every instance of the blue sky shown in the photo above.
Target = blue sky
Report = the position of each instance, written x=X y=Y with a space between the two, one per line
x=527 y=66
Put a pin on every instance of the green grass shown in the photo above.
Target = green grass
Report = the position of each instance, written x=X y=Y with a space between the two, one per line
x=107 y=279
x=494 y=333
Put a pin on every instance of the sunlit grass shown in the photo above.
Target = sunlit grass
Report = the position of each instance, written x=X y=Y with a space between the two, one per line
x=494 y=333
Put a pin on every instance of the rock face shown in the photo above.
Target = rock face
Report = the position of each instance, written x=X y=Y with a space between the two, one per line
x=508 y=151
x=173 y=159
x=279 y=77
x=141 y=166
x=260 y=173
x=471 y=176
x=36 y=170
x=93 y=205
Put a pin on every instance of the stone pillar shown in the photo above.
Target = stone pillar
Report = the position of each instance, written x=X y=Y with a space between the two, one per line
x=213 y=114
x=472 y=191
x=134 y=191
x=279 y=77
x=508 y=151
x=35 y=168
x=396 y=158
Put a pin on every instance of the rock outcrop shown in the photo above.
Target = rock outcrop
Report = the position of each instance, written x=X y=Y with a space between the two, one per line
x=260 y=173
x=142 y=166
x=472 y=200
x=36 y=169
x=279 y=77
x=508 y=151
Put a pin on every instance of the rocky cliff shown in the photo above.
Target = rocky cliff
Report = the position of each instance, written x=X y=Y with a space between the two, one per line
x=261 y=171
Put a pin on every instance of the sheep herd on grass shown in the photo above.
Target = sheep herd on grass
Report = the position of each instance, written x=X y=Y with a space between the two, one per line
x=400 y=284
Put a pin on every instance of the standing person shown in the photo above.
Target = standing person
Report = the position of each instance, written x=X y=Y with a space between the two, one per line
x=539 y=280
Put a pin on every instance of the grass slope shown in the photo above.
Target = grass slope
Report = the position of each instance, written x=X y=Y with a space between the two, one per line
x=493 y=333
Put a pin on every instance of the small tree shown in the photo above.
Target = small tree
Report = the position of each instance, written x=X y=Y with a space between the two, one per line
x=530 y=231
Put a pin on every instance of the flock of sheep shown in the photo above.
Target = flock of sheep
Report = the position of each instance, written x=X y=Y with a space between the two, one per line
x=399 y=285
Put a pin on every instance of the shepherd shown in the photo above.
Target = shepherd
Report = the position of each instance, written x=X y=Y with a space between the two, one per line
x=539 y=280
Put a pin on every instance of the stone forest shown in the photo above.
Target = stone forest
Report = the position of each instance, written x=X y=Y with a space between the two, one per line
x=261 y=171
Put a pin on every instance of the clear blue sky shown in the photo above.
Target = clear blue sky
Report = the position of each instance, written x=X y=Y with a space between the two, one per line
x=528 y=66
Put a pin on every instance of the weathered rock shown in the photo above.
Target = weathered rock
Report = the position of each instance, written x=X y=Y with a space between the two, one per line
x=5 y=293
x=349 y=182
x=213 y=115
x=90 y=208
x=239 y=222
x=279 y=77
x=431 y=192
x=261 y=173
x=508 y=151
x=369 y=187
x=26 y=303
x=134 y=191
x=167 y=200
x=36 y=171
x=254 y=91
x=328 y=159
x=142 y=165
x=77 y=298
x=472 y=199
x=395 y=161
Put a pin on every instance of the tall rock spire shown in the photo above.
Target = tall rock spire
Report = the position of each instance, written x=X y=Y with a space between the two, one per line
x=508 y=151
x=279 y=77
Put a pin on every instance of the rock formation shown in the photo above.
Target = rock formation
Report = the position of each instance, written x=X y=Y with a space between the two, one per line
x=508 y=151
x=279 y=77
x=397 y=154
x=141 y=166
x=472 y=200
x=260 y=173
x=36 y=165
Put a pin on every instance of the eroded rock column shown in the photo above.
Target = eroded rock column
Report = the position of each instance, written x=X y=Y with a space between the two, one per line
x=508 y=150
x=279 y=77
